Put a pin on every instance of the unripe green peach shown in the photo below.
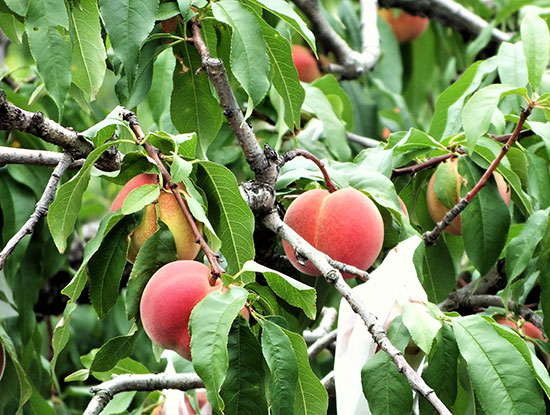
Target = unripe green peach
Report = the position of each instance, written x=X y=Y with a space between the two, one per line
x=346 y=225
x=169 y=212
x=305 y=63
x=438 y=210
x=167 y=301
x=406 y=27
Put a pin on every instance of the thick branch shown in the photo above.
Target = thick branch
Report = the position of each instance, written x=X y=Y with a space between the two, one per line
x=15 y=118
x=329 y=315
x=449 y=13
x=321 y=344
x=273 y=222
x=125 y=383
x=40 y=210
x=12 y=155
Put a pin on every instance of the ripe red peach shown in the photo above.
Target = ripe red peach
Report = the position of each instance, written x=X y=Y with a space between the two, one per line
x=528 y=329
x=305 y=63
x=405 y=26
x=169 y=212
x=438 y=210
x=167 y=301
x=403 y=207
x=346 y=225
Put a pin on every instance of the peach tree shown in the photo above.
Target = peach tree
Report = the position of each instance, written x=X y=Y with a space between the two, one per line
x=201 y=103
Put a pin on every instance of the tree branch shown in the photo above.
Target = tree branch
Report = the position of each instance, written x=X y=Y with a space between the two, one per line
x=363 y=141
x=40 y=210
x=15 y=118
x=321 y=344
x=292 y=154
x=329 y=315
x=12 y=155
x=448 y=12
x=434 y=161
x=273 y=221
x=152 y=382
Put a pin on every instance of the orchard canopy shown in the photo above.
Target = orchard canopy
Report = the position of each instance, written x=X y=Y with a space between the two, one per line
x=254 y=207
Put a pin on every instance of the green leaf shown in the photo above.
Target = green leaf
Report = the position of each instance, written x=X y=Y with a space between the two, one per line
x=292 y=291
x=47 y=25
x=181 y=169
x=203 y=113
x=88 y=59
x=128 y=23
x=114 y=350
x=521 y=249
x=249 y=58
x=231 y=217
x=512 y=68
x=478 y=111
x=445 y=184
x=536 y=46
x=447 y=119
x=311 y=396
x=285 y=12
x=17 y=6
x=387 y=390
x=209 y=325
x=243 y=390
x=421 y=325
x=335 y=131
x=335 y=93
x=161 y=87
x=285 y=75
x=106 y=266
x=485 y=221
x=438 y=273
x=538 y=180
x=442 y=371
x=66 y=205
x=158 y=250
x=281 y=359
x=502 y=380
x=140 y=197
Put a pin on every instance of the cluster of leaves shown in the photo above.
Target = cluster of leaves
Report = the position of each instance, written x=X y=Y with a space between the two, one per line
x=138 y=56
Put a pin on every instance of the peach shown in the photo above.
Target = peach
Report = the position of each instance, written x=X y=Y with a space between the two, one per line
x=169 y=212
x=167 y=301
x=305 y=63
x=406 y=27
x=527 y=329
x=403 y=207
x=346 y=225
x=204 y=406
x=438 y=210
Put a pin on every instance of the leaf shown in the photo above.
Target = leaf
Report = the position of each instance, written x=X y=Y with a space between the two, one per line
x=285 y=76
x=231 y=217
x=536 y=46
x=209 y=325
x=114 y=350
x=180 y=169
x=203 y=113
x=283 y=379
x=478 y=111
x=311 y=396
x=336 y=94
x=502 y=380
x=68 y=200
x=249 y=58
x=140 y=197
x=285 y=12
x=421 y=325
x=521 y=249
x=447 y=119
x=243 y=389
x=512 y=68
x=437 y=270
x=17 y=6
x=292 y=291
x=88 y=58
x=387 y=390
x=158 y=249
x=445 y=184
x=106 y=266
x=538 y=180
x=161 y=87
x=128 y=23
x=485 y=221
x=47 y=25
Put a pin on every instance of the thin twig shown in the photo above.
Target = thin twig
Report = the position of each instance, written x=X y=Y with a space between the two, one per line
x=105 y=392
x=431 y=237
x=13 y=155
x=40 y=210
x=428 y=164
x=292 y=154
x=215 y=268
x=363 y=141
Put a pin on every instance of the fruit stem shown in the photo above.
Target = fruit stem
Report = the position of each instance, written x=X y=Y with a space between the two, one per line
x=292 y=154
x=153 y=152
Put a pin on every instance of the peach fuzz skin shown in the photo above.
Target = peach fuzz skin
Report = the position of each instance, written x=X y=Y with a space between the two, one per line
x=167 y=301
x=528 y=329
x=438 y=210
x=169 y=212
x=406 y=27
x=305 y=63
x=346 y=225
